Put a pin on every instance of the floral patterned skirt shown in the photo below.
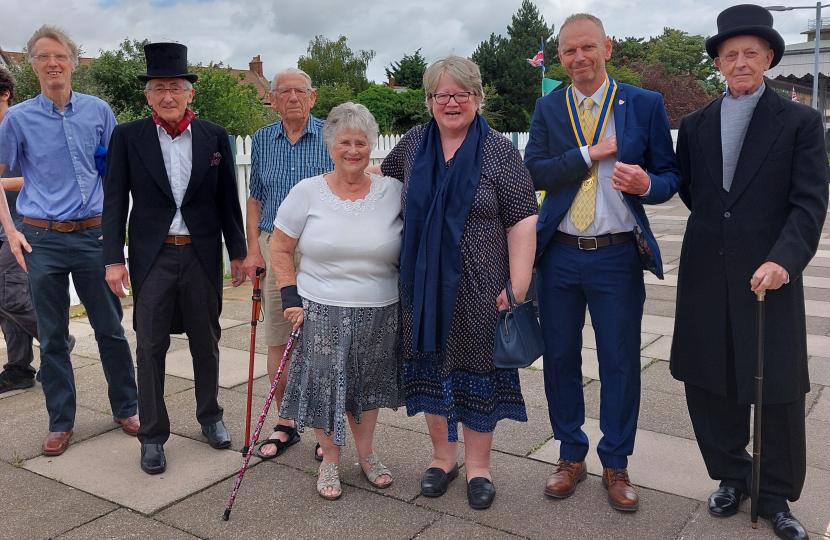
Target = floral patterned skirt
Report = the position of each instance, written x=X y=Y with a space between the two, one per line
x=346 y=360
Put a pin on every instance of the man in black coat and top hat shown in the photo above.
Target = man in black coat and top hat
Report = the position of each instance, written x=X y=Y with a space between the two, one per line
x=180 y=173
x=754 y=175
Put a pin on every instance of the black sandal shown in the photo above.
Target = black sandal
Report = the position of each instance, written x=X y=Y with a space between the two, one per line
x=317 y=456
x=293 y=438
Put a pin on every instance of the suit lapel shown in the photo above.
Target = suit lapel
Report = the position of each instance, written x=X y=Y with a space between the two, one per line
x=149 y=150
x=203 y=147
x=619 y=120
x=710 y=142
x=764 y=128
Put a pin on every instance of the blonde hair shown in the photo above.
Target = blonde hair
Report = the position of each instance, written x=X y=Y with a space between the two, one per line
x=464 y=72
x=52 y=32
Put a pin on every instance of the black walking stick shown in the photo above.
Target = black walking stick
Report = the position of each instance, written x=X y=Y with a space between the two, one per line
x=759 y=392
x=257 y=304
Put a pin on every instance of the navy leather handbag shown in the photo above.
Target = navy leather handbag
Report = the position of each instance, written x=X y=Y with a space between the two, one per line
x=518 y=341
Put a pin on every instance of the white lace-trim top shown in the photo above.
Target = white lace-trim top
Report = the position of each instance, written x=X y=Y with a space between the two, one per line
x=349 y=250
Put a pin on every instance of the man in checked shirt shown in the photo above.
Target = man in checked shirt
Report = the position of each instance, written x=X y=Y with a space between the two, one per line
x=282 y=154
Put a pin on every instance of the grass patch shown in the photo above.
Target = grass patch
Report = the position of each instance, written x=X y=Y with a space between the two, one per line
x=533 y=368
x=653 y=361
x=310 y=472
x=541 y=444
x=17 y=461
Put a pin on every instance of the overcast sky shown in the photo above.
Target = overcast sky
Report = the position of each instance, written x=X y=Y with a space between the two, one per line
x=233 y=31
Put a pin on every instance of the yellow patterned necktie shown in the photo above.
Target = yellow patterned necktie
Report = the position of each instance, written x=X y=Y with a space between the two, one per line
x=582 y=209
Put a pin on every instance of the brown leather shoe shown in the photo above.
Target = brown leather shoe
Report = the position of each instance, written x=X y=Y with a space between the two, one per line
x=562 y=483
x=128 y=425
x=621 y=494
x=56 y=443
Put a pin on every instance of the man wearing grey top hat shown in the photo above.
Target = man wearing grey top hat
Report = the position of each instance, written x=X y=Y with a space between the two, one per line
x=180 y=173
x=754 y=175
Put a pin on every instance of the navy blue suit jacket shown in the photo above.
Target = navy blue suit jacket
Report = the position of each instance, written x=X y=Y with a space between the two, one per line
x=557 y=166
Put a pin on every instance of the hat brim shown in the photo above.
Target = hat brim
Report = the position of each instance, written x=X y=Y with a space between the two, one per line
x=190 y=77
x=776 y=42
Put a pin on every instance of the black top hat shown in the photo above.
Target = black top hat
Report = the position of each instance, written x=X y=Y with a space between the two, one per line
x=746 y=20
x=166 y=61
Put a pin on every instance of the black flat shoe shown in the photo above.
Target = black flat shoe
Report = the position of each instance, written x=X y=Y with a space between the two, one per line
x=786 y=526
x=152 y=458
x=480 y=493
x=725 y=501
x=435 y=481
x=217 y=435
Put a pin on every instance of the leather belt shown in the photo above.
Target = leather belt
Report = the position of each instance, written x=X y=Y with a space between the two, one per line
x=63 y=226
x=178 y=240
x=590 y=243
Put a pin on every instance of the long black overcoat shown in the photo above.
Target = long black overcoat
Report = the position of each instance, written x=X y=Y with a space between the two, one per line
x=774 y=211
x=210 y=207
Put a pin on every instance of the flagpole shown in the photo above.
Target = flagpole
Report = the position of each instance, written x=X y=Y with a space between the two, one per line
x=543 y=69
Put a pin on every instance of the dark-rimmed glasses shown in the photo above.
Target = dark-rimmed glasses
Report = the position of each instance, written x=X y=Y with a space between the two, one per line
x=459 y=97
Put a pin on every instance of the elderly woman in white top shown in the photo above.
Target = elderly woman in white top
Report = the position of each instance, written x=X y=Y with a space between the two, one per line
x=347 y=227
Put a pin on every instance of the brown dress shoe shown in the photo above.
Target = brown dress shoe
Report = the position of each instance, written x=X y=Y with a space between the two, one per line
x=562 y=483
x=128 y=425
x=56 y=443
x=621 y=494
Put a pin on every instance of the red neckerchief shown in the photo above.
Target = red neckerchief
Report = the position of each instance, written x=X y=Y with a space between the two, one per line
x=179 y=129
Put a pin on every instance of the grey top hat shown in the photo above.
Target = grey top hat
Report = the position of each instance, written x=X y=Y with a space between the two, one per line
x=166 y=61
x=746 y=20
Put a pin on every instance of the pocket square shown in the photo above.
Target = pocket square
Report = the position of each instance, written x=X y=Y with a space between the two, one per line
x=215 y=160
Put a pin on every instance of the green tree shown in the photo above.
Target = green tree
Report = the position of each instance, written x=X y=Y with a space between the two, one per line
x=220 y=98
x=328 y=97
x=628 y=51
x=412 y=110
x=504 y=66
x=116 y=71
x=409 y=71
x=682 y=53
x=383 y=103
x=334 y=63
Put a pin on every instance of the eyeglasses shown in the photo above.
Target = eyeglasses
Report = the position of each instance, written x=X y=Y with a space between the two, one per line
x=160 y=91
x=284 y=92
x=44 y=58
x=459 y=97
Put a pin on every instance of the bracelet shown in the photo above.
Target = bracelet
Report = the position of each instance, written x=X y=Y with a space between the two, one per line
x=290 y=297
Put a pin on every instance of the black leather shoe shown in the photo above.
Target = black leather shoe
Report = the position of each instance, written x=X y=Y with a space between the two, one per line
x=725 y=501
x=152 y=458
x=217 y=435
x=480 y=493
x=786 y=526
x=435 y=481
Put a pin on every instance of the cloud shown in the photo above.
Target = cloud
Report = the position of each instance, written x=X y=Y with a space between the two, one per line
x=234 y=31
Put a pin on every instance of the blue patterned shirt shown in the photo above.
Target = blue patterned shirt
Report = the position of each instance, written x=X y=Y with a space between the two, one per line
x=277 y=165
x=56 y=152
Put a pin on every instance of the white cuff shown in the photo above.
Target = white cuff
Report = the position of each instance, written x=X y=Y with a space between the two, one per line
x=585 y=156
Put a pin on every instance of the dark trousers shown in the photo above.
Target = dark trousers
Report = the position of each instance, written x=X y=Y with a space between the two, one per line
x=54 y=256
x=722 y=429
x=177 y=276
x=610 y=282
x=17 y=318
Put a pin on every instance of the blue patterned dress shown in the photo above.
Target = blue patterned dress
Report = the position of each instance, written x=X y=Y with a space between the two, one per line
x=460 y=382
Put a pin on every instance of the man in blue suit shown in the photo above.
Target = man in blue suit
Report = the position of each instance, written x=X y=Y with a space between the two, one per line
x=600 y=150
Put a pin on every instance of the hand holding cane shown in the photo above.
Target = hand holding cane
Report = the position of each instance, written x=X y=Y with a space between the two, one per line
x=759 y=390
x=257 y=304
x=288 y=348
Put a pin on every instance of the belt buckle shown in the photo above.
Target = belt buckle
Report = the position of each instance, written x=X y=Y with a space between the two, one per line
x=176 y=240
x=64 y=226
x=584 y=242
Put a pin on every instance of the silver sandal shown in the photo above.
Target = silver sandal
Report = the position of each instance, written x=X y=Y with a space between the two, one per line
x=328 y=476
x=376 y=469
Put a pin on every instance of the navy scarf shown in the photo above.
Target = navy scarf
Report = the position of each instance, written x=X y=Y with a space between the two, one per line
x=438 y=201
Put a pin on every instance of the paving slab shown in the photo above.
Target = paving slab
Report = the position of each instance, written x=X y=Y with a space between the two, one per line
x=655 y=324
x=667 y=281
x=663 y=217
x=821 y=410
x=34 y=507
x=660 y=349
x=125 y=525
x=25 y=423
x=817 y=282
x=818 y=434
x=80 y=328
x=91 y=388
x=88 y=347
x=275 y=497
x=522 y=508
x=108 y=466
x=703 y=526
x=453 y=528
x=239 y=337
x=815 y=308
x=819 y=370
x=671 y=238
x=813 y=508
x=819 y=263
x=661 y=462
x=533 y=388
x=818 y=346
x=658 y=377
x=662 y=308
x=233 y=365
x=520 y=438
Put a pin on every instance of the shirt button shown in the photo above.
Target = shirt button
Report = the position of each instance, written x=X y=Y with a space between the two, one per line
x=292 y=168
x=727 y=215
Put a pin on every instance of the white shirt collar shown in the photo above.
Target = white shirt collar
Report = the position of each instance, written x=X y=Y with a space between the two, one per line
x=162 y=132
x=597 y=96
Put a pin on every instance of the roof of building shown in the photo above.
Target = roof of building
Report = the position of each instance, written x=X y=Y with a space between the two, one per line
x=807 y=47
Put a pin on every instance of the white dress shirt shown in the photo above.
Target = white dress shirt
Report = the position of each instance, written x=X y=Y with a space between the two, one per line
x=178 y=161
x=611 y=213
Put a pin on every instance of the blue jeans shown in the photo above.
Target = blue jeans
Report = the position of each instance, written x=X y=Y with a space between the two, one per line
x=54 y=255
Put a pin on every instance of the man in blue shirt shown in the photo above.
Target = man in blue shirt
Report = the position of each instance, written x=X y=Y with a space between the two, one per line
x=53 y=138
x=282 y=154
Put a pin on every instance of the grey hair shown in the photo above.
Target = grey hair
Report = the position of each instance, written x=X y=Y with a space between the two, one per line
x=464 y=72
x=187 y=84
x=58 y=34
x=350 y=117
x=291 y=71
x=583 y=17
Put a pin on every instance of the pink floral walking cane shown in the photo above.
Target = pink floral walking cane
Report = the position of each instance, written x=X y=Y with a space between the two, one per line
x=288 y=348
